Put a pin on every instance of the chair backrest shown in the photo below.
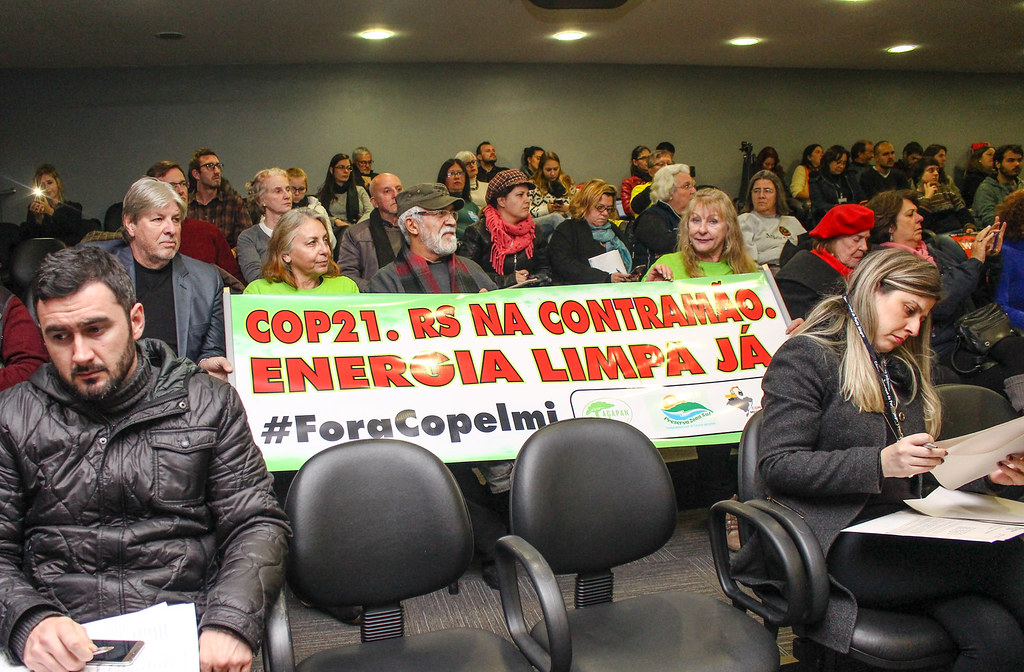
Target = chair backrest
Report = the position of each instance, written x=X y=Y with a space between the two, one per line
x=969 y=408
x=25 y=260
x=375 y=522
x=591 y=494
x=747 y=458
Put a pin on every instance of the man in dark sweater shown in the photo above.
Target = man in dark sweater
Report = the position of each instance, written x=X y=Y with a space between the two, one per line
x=883 y=177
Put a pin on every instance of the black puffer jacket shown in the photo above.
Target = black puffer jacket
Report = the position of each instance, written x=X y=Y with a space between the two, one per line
x=170 y=502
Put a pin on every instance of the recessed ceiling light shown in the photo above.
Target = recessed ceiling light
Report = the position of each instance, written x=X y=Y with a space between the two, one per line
x=744 y=41
x=170 y=35
x=376 y=34
x=569 y=35
x=901 y=48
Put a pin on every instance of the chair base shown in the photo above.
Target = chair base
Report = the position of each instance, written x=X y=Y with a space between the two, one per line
x=457 y=650
x=665 y=632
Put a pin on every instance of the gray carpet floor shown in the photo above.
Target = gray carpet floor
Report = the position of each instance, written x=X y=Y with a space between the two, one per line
x=684 y=563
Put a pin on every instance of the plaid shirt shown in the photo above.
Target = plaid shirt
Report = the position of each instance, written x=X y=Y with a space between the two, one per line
x=227 y=212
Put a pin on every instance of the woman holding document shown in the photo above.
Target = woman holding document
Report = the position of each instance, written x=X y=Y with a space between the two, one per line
x=588 y=233
x=850 y=419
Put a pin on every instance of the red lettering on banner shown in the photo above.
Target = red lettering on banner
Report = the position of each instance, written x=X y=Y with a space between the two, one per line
x=252 y=326
x=440 y=323
x=387 y=371
x=646 y=357
x=287 y=326
x=699 y=309
x=546 y=313
x=266 y=375
x=625 y=308
x=602 y=314
x=299 y=372
x=548 y=373
x=496 y=366
x=750 y=304
x=679 y=360
x=486 y=319
x=351 y=373
x=432 y=369
x=725 y=308
x=317 y=323
x=647 y=311
x=671 y=314
x=613 y=364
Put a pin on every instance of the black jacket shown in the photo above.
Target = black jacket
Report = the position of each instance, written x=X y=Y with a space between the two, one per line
x=477 y=243
x=170 y=502
x=570 y=248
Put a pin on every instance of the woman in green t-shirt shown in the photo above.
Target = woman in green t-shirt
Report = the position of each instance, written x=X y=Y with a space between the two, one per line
x=710 y=244
x=299 y=258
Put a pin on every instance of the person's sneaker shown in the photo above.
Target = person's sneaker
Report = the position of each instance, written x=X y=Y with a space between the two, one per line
x=347 y=615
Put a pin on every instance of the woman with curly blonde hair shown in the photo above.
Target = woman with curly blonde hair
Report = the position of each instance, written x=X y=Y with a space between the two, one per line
x=711 y=243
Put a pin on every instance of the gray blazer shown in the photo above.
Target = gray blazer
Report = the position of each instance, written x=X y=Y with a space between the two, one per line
x=819 y=455
x=198 y=304
x=252 y=250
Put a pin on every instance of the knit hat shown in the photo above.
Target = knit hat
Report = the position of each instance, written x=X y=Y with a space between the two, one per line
x=844 y=220
x=429 y=196
x=506 y=179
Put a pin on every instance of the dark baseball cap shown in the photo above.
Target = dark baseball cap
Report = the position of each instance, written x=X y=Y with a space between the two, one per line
x=429 y=196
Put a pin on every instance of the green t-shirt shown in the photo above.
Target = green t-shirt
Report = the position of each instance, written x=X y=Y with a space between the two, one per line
x=336 y=285
x=712 y=269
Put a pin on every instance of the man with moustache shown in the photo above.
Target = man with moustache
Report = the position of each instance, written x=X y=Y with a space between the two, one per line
x=427 y=263
x=373 y=243
x=128 y=479
x=993 y=190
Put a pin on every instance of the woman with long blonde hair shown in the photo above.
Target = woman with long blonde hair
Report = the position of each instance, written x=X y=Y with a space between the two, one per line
x=850 y=420
x=710 y=243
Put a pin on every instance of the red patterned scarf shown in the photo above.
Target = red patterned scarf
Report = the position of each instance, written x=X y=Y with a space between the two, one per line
x=508 y=238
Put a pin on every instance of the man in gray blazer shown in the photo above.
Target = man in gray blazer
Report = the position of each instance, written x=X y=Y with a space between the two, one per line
x=181 y=295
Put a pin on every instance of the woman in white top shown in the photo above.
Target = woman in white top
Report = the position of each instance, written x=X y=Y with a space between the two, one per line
x=272 y=194
x=765 y=223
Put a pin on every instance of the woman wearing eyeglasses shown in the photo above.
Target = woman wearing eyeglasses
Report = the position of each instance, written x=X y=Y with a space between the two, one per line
x=477 y=189
x=588 y=233
x=505 y=241
x=452 y=175
x=342 y=194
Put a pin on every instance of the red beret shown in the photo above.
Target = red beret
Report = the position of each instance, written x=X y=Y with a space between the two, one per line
x=844 y=220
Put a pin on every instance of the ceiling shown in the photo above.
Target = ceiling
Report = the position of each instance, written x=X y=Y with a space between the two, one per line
x=955 y=35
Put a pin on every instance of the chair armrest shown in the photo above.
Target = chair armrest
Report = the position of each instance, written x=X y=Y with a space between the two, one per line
x=775 y=544
x=556 y=656
x=277 y=638
x=809 y=548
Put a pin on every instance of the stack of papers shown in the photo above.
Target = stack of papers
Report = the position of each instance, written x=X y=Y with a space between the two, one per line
x=951 y=514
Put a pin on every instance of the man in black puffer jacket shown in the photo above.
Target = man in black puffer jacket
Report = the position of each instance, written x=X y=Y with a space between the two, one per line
x=128 y=477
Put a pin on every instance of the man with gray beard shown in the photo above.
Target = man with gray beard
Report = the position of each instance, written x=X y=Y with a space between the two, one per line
x=427 y=263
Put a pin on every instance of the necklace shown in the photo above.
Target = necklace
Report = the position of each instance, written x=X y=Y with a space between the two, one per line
x=894 y=416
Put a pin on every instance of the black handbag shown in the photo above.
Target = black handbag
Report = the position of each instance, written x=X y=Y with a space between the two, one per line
x=977 y=332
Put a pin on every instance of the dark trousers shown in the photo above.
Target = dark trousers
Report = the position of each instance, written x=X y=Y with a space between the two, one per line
x=974 y=590
x=487 y=512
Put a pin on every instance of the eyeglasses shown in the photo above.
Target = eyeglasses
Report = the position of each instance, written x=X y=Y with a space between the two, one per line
x=298 y=190
x=440 y=214
x=604 y=208
x=211 y=166
x=470 y=163
x=179 y=185
x=768 y=191
x=364 y=162
x=341 y=167
x=455 y=173
x=688 y=185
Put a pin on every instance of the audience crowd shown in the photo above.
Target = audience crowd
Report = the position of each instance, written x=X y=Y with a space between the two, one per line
x=182 y=236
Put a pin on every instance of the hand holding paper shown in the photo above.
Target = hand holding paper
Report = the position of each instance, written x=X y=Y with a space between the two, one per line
x=979 y=454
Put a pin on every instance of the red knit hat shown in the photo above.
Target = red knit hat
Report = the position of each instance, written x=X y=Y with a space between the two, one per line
x=844 y=220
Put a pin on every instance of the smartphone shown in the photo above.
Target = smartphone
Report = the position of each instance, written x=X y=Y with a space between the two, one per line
x=119 y=651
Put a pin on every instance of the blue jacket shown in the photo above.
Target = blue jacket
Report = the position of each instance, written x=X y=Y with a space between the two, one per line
x=198 y=301
x=1010 y=293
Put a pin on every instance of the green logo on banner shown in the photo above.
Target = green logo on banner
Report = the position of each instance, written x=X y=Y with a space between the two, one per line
x=613 y=409
x=681 y=412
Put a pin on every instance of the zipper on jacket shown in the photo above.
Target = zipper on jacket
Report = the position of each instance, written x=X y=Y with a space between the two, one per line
x=785 y=506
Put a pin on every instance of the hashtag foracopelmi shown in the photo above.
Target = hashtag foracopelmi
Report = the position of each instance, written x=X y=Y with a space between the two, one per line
x=276 y=429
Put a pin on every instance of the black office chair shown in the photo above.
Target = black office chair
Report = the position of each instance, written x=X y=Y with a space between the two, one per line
x=590 y=494
x=25 y=260
x=378 y=521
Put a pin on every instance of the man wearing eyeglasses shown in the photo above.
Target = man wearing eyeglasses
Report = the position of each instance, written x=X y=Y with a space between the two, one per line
x=427 y=263
x=209 y=201
x=364 y=165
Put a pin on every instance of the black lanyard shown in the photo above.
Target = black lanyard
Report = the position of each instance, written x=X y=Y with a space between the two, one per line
x=891 y=400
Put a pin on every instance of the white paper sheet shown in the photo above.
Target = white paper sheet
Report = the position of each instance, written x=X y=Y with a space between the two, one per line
x=609 y=262
x=945 y=503
x=169 y=632
x=975 y=455
x=913 y=524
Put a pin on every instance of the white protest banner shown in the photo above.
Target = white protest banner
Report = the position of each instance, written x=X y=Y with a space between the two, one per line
x=469 y=377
